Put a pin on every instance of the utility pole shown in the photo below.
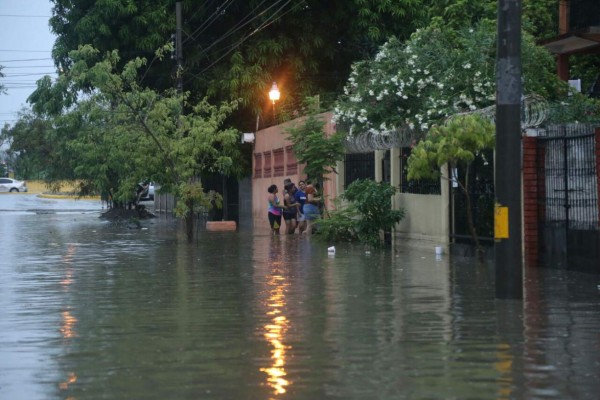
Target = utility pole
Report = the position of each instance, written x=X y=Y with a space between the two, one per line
x=508 y=256
x=179 y=48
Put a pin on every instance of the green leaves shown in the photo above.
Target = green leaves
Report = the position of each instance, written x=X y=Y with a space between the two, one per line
x=235 y=49
x=313 y=148
x=456 y=143
x=440 y=71
x=367 y=214
x=121 y=133
x=459 y=141
x=196 y=200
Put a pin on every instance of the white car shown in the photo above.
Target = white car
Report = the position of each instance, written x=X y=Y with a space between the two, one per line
x=151 y=191
x=148 y=192
x=12 y=185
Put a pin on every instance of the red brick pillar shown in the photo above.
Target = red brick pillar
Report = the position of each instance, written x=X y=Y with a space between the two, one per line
x=530 y=200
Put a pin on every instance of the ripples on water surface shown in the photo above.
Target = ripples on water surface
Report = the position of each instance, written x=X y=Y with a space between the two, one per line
x=94 y=311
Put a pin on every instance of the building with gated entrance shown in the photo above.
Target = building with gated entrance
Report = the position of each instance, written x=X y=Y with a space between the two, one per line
x=561 y=186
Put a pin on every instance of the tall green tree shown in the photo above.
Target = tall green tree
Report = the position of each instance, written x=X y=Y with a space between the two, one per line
x=235 y=49
x=313 y=147
x=540 y=18
x=122 y=132
x=30 y=153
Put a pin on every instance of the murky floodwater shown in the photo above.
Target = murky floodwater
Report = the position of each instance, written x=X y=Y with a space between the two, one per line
x=90 y=310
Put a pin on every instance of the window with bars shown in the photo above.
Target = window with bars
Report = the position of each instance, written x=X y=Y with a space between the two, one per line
x=267 y=164
x=291 y=162
x=278 y=164
x=359 y=166
x=258 y=165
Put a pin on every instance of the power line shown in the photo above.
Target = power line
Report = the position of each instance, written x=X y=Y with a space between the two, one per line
x=200 y=8
x=20 y=87
x=26 y=51
x=211 y=18
x=28 y=66
x=27 y=59
x=30 y=74
x=265 y=24
x=25 y=16
x=240 y=25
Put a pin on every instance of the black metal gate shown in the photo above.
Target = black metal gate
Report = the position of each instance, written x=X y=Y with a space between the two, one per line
x=359 y=166
x=481 y=193
x=568 y=200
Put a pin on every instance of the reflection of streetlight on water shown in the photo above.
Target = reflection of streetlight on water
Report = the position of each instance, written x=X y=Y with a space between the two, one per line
x=274 y=95
x=275 y=329
x=274 y=332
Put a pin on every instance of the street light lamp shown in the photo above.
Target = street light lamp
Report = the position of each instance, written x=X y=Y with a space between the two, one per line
x=274 y=94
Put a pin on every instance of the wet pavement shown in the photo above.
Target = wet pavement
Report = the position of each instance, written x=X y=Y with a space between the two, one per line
x=94 y=310
x=25 y=203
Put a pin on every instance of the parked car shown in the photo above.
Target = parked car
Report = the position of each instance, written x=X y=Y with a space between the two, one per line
x=12 y=185
x=147 y=189
x=151 y=191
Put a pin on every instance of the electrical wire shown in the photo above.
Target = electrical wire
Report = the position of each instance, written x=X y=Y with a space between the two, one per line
x=26 y=51
x=26 y=59
x=29 y=74
x=240 y=25
x=198 y=9
x=156 y=57
x=211 y=18
x=25 y=16
x=20 y=87
x=28 y=66
x=265 y=24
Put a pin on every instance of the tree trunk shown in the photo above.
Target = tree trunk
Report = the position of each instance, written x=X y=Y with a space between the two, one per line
x=189 y=222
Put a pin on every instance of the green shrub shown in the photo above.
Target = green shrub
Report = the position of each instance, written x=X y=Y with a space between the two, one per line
x=340 y=226
x=367 y=214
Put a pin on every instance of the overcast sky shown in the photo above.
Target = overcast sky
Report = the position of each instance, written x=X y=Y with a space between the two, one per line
x=25 y=52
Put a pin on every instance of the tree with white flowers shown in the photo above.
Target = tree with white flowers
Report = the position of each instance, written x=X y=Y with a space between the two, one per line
x=437 y=73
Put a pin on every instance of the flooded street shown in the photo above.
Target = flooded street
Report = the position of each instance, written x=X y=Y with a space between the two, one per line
x=94 y=310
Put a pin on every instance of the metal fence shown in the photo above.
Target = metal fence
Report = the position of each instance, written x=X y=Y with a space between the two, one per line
x=417 y=186
x=359 y=166
x=570 y=179
x=481 y=195
x=567 y=186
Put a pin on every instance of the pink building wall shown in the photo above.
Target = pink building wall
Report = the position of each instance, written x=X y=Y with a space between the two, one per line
x=273 y=160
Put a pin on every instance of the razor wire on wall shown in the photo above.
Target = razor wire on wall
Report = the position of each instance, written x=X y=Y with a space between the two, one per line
x=370 y=141
x=534 y=111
